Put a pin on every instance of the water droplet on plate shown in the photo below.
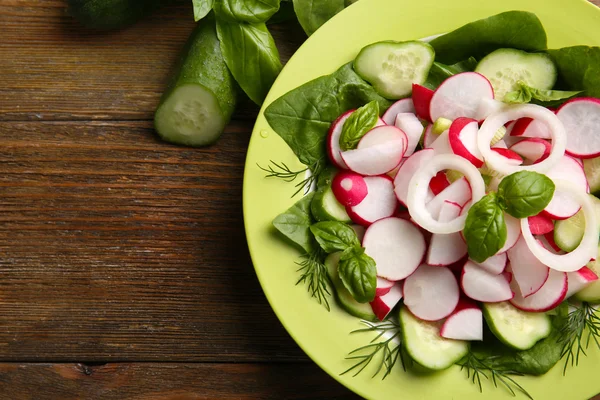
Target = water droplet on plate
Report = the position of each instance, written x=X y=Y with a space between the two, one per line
x=264 y=133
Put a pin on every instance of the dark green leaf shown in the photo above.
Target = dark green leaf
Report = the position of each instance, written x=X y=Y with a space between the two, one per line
x=334 y=236
x=512 y=29
x=359 y=275
x=579 y=68
x=440 y=72
x=352 y=252
x=485 y=228
x=202 y=8
x=286 y=13
x=525 y=193
x=295 y=224
x=251 y=56
x=314 y=13
x=252 y=11
x=358 y=124
x=548 y=98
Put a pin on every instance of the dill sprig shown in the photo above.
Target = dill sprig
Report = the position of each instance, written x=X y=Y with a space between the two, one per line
x=479 y=367
x=282 y=171
x=314 y=275
x=389 y=348
x=573 y=337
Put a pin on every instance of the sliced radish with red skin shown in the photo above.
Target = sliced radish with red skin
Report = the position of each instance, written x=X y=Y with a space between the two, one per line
x=349 y=188
x=333 y=140
x=548 y=297
x=562 y=206
x=532 y=149
x=581 y=118
x=460 y=96
x=407 y=170
x=462 y=137
x=507 y=274
x=529 y=273
x=540 y=224
x=465 y=322
x=480 y=285
x=378 y=152
x=396 y=245
x=383 y=286
x=429 y=137
x=379 y=203
x=431 y=293
x=412 y=127
x=441 y=145
x=458 y=192
x=401 y=106
x=488 y=107
x=579 y=279
x=513 y=233
x=530 y=128
x=421 y=97
x=438 y=183
x=360 y=231
x=446 y=249
x=382 y=305
x=501 y=144
x=510 y=156
x=495 y=264
x=551 y=243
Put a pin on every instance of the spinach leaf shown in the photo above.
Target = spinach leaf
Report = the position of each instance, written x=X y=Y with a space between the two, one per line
x=358 y=123
x=513 y=29
x=285 y=13
x=440 y=72
x=251 y=56
x=528 y=94
x=302 y=116
x=202 y=8
x=253 y=11
x=314 y=13
x=358 y=273
x=579 y=68
x=485 y=228
x=295 y=224
x=326 y=177
x=525 y=193
x=334 y=236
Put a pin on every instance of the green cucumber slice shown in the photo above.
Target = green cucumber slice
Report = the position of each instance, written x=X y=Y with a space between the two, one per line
x=423 y=343
x=392 y=67
x=591 y=293
x=505 y=67
x=569 y=232
x=515 y=328
x=440 y=125
x=325 y=207
x=591 y=166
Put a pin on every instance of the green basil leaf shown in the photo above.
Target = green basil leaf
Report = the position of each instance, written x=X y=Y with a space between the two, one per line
x=295 y=224
x=358 y=124
x=548 y=98
x=485 y=228
x=578 y=68
x=334 y=236
x=525 y=193
x=359 y=275
x=314 y=13
x=251 y=56
x=352 y=252
x=252 y=11
x=202 y=8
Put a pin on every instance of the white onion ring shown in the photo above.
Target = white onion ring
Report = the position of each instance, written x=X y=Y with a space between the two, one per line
x=588 y=247
x=419 y=185
x=491 y=125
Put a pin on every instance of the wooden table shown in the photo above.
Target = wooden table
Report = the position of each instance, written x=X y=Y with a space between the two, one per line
x=124 y=271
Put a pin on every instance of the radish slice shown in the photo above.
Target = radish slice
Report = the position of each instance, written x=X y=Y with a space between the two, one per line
x=465 y=322
x=501 y=144
x=401 y=106
x=412 y=127
x=441 y=145
x=581 y=118
x=551 y=244
x=379 y=203
x=579 y=279
x=540 y=224
x=418 y=190
x=407 y=171
x=510 y=157
x=333 y=140
x=530 y=128
x=458 y=192
x=421 y=97
x=513 y=232
x=529 y=273
x=488 y=107
x=460 y=96
x=383 y=305
x=396 y=245
x=495 y=121
x=480 y=285
x=349 y=188
x=439 y=182
x=446 y=249
x=383 y=286
x=563 y=206
x=378 y=152
x=495 y=264
x=431 y=293
x=588 y=247
x=532 y=149
x=462 y=136
x=429 y=137
x=548 y=297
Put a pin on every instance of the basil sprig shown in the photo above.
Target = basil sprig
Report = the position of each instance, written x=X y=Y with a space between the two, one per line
x=525 y=193
x=358 y=124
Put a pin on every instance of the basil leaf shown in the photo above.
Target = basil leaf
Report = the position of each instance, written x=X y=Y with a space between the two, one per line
x=303 y=116
x=358 y=124
x=253 y=11
x=202 y=8
x=314 y=13
x=359 y=275
x=251 y=56
x=334 y=236
x=295 y=224
x=579 y=68
x=512 y=29
x=548 y=98
x=485 y=228
x=525 y=193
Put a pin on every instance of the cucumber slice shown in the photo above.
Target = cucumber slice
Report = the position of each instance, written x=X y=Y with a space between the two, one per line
x=591 y=293
x=515 y=328
x=202 y=95
x=342 y=295
x=392 y=67
x=505 y=67
x=325 y=207
x=423 y=343
x=569 y=232
x=591 y=166
x=440 y=125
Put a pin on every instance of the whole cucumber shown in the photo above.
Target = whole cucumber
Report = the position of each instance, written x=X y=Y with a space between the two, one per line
x=110 y=14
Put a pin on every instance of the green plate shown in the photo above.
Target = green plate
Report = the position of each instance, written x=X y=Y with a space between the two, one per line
x=323 y=335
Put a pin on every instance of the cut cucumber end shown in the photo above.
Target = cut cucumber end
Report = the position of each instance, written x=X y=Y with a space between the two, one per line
x=325 y=207
x=518 y=329
x=189 y=115
x=591 y=166
x=569 y=232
